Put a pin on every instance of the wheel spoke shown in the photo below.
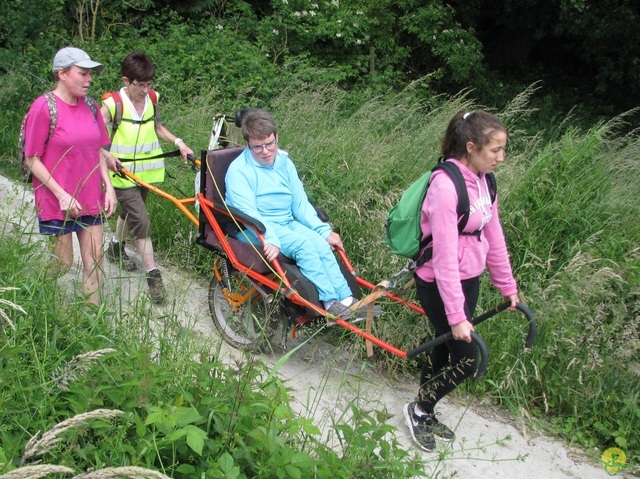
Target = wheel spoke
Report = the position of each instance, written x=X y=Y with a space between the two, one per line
x=241 y=314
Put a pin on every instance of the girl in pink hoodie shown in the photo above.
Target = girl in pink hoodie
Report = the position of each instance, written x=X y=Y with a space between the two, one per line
x=448 y=284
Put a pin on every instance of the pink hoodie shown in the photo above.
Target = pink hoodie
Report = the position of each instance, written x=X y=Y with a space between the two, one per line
x=458 y=257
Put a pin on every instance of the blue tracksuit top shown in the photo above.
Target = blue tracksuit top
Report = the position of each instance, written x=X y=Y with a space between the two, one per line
x=271 y=194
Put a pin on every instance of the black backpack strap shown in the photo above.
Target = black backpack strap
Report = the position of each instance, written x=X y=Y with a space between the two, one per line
x=493 y=186
x=461 y=189
x=462 y=210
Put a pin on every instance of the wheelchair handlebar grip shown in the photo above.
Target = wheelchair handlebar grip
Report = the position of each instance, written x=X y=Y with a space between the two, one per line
x=191 y=158
x=533 y=327
x=484 y=355
x=430 y=344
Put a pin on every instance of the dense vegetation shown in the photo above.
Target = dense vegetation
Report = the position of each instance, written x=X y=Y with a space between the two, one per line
x=362 y=92
x=85 y=391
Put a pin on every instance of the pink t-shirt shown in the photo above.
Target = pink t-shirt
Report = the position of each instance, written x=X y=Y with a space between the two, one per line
x=72 y=155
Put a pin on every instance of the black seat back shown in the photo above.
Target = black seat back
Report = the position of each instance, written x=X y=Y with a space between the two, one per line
x=214 y=166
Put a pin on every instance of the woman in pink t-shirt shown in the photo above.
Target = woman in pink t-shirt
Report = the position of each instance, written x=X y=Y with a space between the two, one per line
x=448 y=283
x=71 y=185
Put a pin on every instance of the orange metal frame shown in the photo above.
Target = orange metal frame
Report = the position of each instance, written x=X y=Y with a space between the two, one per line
x=282 y=285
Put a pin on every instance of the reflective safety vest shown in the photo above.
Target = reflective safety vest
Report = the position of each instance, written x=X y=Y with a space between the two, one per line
x=134 y=140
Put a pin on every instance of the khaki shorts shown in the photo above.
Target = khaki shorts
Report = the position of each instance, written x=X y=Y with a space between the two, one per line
x=133 y=210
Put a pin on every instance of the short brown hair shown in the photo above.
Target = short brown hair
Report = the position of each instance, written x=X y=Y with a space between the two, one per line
x=138 y=66
x=257 y=124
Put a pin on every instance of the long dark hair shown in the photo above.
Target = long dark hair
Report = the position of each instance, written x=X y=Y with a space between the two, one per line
x=476 y=127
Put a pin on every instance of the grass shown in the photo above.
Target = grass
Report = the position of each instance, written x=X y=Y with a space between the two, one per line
x=116 y=391
x=568 y=205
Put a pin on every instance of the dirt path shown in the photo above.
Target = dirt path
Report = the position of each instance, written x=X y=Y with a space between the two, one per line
x=324 y=380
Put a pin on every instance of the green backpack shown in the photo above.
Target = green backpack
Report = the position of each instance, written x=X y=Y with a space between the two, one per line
x=404 y=235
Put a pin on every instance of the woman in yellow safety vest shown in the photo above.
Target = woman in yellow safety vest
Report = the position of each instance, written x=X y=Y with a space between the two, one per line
x=136 y=132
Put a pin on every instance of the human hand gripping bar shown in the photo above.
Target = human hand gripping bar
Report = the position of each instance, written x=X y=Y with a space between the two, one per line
x=484 y=353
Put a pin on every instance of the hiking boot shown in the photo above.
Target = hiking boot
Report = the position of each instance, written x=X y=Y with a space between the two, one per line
x=117 y=255
x=425 y=428
x=156 y=287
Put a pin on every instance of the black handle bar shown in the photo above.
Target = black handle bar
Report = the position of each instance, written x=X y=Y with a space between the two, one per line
x=533 y=327
x=443 y=338
x=484 y=354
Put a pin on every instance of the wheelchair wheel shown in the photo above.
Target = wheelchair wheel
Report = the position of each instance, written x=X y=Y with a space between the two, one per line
x=242 y=315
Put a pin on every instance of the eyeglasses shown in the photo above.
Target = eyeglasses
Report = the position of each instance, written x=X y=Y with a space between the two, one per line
x=266 y=146
x=144 y=84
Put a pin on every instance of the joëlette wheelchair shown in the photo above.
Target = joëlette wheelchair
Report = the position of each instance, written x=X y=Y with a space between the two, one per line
x=250 y=298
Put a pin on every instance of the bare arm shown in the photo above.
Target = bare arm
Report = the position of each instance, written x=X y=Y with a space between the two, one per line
x=166 y=135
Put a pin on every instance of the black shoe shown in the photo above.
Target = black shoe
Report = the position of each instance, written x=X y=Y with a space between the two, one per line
x=157 y=292
x=438 y=429
x=117 y=255
x=420 y=432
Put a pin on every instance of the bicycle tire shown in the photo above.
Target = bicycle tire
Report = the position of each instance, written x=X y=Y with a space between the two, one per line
x=244 y=318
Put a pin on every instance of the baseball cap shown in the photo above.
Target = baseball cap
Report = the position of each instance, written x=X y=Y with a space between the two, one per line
x=69 y=56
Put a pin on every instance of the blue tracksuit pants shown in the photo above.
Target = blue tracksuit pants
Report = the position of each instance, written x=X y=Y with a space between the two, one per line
x=314 y=257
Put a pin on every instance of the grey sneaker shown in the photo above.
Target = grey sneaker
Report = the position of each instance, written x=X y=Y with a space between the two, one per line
x=340 y=310
x=117 y=255
x=156 y=288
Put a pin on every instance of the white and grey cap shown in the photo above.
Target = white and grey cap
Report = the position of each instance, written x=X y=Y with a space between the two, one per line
x=70 y=56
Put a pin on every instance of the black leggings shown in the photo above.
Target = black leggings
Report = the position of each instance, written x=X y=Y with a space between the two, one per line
x=449 y=364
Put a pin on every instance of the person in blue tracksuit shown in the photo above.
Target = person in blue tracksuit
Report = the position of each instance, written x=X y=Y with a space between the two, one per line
x=263 y=183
